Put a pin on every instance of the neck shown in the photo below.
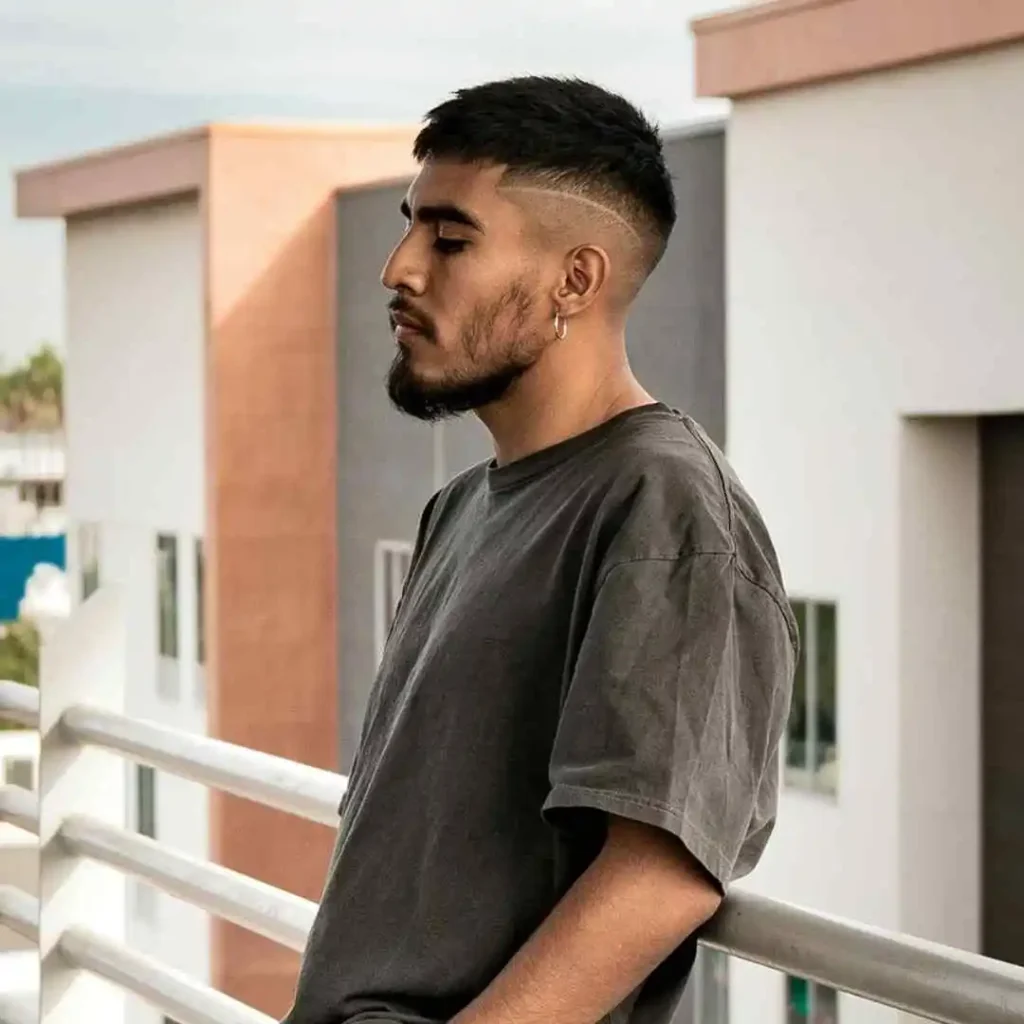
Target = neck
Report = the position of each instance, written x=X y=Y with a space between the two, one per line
x=565 y=394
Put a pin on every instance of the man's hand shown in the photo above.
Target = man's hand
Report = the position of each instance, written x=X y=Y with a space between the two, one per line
x=643 y=895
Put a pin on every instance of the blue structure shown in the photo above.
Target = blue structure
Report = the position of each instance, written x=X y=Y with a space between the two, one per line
x=18 y=558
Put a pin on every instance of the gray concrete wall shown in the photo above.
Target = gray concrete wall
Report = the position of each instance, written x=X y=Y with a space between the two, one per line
x=676 y=334
x=388 y=464
x=385 y=460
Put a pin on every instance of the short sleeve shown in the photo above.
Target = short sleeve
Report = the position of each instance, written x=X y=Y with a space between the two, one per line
x=676 y=706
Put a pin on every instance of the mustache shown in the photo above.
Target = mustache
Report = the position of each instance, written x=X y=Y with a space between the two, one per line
x=402 y=308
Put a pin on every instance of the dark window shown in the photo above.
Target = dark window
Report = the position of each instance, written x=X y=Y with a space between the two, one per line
x=807 y=1002
x=812 y=738
x=167 y=594
x=145 y=801
x=200 y=603
x=89 y=558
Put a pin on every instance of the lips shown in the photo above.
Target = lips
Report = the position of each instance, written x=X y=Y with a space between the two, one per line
x=403 y=324
x=400 y=320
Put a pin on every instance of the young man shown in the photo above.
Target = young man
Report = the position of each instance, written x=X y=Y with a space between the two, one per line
x=571 y=746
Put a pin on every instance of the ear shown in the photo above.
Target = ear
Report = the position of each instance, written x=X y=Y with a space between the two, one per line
x=586 y=273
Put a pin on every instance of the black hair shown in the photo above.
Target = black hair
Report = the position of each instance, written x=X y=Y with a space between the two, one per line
x=565 y=133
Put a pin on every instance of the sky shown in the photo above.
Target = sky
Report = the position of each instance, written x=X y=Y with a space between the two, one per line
x=79 y=76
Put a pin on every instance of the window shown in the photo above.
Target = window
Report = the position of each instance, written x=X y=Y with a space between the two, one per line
x=145 y=897
x=807 y=1002
x=167 y=594
x=392 y=559
x=200 y=603
x=145 y=801
x=812 y=754
x=711 y=981
x=89 y=558
x=42 y=494
x=19 y=771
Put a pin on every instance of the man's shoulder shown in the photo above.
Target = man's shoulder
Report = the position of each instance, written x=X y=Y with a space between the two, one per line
x=665 y=482
x=678 y=496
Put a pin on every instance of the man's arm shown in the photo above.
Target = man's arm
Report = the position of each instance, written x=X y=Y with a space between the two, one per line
x=641 y=897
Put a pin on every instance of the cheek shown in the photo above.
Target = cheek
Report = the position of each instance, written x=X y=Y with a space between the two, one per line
x=474 y=292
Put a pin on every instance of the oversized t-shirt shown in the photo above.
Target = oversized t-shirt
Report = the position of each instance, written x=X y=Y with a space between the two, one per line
x=598 y=628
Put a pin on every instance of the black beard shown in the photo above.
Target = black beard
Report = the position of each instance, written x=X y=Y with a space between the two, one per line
x=464 y=393
x=435 y=402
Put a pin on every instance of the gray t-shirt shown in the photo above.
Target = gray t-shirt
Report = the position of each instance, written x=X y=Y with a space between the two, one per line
x=599 y=628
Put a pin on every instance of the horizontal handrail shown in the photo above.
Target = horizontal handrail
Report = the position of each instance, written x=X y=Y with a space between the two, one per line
x=273 y=781
x=14 y=1012
x=261 y=908
x=171 y=991
x=19 y=704
x=924 y=978
x=927 y=979
x=20 y=807
x=19 y=912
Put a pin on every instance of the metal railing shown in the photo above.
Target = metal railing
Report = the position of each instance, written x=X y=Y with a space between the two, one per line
x=169 y=990
x=927 y=979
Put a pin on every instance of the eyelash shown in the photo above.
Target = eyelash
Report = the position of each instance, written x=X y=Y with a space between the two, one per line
x=449 y=246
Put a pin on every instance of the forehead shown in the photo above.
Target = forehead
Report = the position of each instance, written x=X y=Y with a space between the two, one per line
x=469 y=187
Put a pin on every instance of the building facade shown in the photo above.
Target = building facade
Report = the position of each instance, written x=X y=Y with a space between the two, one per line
x=875 y=405
x=31 y=483
x=201 y=449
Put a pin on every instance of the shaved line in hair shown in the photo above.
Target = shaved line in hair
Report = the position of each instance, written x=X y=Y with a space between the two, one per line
x=557 y=193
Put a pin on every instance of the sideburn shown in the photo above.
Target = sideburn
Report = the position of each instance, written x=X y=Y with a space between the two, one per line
x=515 y=304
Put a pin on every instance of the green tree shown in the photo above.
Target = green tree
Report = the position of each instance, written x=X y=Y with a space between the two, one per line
x=32 y=394
x=19 y=656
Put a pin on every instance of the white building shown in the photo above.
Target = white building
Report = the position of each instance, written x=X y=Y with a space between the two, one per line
x=31 y=483
x=875 y=399
x=198 y=406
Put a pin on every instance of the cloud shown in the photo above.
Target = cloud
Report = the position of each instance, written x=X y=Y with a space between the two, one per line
x=75 y=75
x=397 y=50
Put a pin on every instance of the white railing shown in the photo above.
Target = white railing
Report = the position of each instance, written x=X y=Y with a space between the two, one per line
x=932 y=981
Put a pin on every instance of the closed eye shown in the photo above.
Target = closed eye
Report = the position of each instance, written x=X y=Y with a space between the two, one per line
x=450 y=246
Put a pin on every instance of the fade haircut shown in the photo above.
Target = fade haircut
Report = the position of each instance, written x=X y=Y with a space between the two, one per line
x=565 y=135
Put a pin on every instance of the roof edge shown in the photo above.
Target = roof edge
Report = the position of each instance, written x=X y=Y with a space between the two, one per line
x=138 y=172
x=781 y=44
x=159 y=168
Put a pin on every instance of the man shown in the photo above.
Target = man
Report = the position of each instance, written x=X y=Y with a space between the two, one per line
x=571 y=746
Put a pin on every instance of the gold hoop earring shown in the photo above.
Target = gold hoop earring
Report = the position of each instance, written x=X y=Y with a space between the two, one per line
x=561 y=326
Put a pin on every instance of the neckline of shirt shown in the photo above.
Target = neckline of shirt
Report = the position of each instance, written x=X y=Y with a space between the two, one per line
x=513 y=474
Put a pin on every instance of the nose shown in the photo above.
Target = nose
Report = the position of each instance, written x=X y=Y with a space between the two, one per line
x=403 y=271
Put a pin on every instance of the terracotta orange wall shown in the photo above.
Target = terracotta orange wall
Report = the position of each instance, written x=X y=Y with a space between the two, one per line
x=272 y=487
x=784 y=43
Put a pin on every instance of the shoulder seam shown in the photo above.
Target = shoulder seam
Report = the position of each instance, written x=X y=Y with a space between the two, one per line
x=726 y=496
x=680 y=557
x=693 y=555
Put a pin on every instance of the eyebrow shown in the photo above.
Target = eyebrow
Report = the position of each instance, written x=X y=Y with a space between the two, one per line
x=441 y=212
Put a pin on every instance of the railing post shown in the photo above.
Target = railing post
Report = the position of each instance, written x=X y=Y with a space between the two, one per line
x=83 y=661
